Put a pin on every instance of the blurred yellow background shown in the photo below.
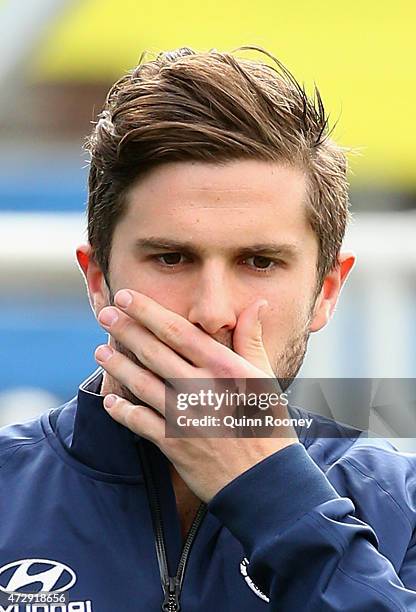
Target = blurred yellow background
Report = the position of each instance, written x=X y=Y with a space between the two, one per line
x=360 y=53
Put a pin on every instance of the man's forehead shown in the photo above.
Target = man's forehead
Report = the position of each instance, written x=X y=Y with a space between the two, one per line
x=207 y=203
x=233 y=182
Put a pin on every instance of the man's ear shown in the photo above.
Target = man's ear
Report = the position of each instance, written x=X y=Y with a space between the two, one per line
x=331 y=288
x=94 y=278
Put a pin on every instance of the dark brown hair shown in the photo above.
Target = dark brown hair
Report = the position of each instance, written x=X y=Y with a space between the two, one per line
x=213 y=107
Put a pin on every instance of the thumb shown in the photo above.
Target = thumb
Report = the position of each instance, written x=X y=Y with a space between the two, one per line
x=248 y=337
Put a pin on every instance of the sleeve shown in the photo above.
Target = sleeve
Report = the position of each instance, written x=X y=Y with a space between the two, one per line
x=306 y=549
x=408 y=568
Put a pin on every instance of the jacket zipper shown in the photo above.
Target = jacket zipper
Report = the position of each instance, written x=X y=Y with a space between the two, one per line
x=171 y=585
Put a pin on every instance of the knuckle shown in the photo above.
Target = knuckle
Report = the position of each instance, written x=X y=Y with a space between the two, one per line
x=130 y=417
x=123 y=325
x=202 y=372
x=224 y=369
x=172 y=331
x=255 y=344
x=138 y=386
x=140 y=308
x=148 y=354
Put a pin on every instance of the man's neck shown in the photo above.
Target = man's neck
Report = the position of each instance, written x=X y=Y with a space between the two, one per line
x=111 y=385
x=107 y=385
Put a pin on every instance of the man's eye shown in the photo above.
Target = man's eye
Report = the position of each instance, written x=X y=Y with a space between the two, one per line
x=169 y=259
x=260 y=262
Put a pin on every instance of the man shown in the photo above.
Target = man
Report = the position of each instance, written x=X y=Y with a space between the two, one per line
x=217 y=209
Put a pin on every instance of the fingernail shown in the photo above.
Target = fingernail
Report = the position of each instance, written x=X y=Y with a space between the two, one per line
x=104 y=352
x=108 y=316
x=123 y=298
x=109 y=401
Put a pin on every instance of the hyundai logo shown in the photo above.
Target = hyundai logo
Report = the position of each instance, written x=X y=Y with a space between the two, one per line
x=43 y=574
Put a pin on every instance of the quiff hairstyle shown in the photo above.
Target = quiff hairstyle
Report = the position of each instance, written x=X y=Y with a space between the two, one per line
x=213 y=107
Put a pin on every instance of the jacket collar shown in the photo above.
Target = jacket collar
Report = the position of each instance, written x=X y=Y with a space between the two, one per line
x=95 y=439
x=100 y=442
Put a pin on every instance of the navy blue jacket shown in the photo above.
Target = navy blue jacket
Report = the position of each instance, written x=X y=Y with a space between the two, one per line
x=88 y=508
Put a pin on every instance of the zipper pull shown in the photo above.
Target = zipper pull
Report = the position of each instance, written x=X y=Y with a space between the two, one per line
x=171 y=601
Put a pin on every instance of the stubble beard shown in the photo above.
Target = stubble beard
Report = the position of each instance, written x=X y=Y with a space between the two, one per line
x=288 y=363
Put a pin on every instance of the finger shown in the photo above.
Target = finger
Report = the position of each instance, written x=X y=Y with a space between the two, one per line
x=139 y=419
x=149 y=350
x=143 y=384
x=248 y=337
x=172 y=329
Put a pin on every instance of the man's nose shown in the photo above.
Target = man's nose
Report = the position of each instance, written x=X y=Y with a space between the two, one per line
x=212 y=301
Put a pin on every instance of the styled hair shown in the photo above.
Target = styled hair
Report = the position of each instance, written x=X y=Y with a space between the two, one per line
x=214 y=107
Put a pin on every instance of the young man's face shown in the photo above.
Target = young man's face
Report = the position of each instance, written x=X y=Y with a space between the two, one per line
x=205 y=241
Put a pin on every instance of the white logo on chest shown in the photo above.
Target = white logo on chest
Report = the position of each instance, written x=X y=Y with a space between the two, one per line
x=47 y=573
x=243 y=569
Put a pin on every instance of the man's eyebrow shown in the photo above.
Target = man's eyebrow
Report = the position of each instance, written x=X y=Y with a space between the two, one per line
x=152 y=243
